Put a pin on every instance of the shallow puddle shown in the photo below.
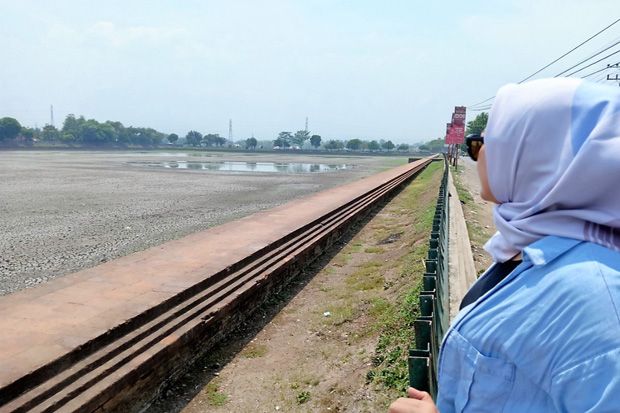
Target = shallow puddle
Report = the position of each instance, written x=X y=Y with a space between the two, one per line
x=237 y=166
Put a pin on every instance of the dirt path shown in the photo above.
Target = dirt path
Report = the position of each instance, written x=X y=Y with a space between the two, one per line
x=339 y=343
x=478 y=212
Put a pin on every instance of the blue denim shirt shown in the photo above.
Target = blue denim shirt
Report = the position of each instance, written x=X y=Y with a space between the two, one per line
x=545 y=339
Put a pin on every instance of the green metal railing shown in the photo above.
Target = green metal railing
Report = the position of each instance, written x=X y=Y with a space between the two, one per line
x=434 y=317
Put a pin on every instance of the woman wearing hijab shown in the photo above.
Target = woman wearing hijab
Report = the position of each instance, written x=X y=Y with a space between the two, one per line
x=540 y=330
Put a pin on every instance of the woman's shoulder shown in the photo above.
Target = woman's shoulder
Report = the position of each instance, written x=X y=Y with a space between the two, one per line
x=573 y=274
x=557 y=313
x=579 y=286
x=584 y=271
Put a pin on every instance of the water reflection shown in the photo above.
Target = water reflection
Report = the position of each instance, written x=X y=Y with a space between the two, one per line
x=235 y=166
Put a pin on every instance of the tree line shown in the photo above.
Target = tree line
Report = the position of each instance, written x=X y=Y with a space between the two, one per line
x=81 y=131
x=90 y=132
x=297 y=140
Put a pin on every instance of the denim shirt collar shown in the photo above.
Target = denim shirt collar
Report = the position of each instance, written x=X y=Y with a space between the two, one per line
x=547 y=249
x=538 y=253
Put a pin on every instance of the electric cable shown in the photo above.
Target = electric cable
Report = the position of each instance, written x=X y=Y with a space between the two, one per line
x=472 y=107
x=569 y=52
x=589 y=58
x=612 y=66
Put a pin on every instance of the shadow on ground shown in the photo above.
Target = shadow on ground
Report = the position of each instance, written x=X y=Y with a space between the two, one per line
x=174 y=396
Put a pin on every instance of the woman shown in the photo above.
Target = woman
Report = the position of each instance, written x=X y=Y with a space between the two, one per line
x=545 y=335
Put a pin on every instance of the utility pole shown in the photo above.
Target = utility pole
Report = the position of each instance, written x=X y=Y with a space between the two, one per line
x=230 y=134
x=52 y=115
x=306 y=124
x=616 y=78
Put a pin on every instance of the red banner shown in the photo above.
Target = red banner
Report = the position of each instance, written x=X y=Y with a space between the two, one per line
x=458 y=118
x=455 y=131
x=456 y=135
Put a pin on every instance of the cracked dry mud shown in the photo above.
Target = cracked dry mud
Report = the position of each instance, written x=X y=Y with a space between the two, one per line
x=63 y=211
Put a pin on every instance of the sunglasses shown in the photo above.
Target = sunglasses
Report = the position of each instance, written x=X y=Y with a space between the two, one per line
x=474 y=142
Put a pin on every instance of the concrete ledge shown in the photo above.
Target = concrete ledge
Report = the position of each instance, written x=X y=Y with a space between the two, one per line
x=462 y=272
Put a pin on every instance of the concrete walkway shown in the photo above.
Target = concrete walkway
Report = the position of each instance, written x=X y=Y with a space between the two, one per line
x=461 y=261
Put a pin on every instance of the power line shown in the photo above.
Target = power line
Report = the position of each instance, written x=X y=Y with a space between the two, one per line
x=592 y=64
x=600 y=70
x=481 y=109
x=589 y=58
x=600 y=78
x=556 y=60
x=569 y=52
x=481 y=102
x=473 y=107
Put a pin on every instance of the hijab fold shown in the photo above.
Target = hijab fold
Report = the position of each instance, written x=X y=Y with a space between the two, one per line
x=553 y=160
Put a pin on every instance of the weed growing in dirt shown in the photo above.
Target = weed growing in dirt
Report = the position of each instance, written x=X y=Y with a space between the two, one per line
x=214 y=396
x=342 y=313
x=303 y=397
x=253 y=351
x=374 y=250
x=366 y=277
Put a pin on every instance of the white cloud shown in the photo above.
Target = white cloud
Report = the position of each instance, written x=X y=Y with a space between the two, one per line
x=137 y=35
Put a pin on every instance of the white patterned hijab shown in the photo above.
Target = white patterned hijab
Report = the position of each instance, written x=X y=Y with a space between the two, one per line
x=553 y=160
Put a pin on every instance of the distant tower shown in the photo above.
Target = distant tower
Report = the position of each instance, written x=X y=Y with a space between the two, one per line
x=52 y=115
x=306 y=124
x=230 y=135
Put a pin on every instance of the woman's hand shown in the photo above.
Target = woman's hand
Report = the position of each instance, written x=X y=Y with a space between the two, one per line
x=416 y=402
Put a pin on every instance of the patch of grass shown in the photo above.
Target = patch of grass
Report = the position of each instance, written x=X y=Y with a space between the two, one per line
x=374 y=250
x=329 y=270
x=342 y=313
x=311 y=381
x=367 y=276
x=214 y=396
x=303 y=397
x=344 y=256
x=379 y=306
x=341 y=259
x=354 y=247
x=463 y=193
x=253 y=351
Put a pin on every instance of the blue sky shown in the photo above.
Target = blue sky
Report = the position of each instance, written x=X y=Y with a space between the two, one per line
x=365 y=69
